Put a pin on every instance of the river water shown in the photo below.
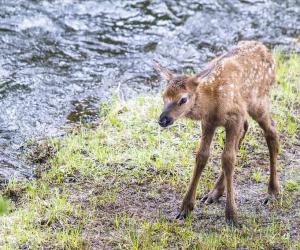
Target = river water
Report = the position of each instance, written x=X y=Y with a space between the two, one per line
x=59 y=59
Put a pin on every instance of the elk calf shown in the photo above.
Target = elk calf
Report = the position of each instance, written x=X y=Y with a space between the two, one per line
x=229 y=87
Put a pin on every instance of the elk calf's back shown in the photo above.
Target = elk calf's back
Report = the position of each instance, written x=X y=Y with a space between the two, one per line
x=229 y=87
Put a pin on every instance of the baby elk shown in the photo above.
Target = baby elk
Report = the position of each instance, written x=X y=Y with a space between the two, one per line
x=231 y=86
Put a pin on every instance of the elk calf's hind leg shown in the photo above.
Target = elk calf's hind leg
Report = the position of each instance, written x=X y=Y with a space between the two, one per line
x=216 y=192
x=271 y=136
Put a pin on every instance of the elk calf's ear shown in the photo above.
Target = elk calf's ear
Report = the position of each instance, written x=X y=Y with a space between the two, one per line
x=164 y=72
x=192 y=84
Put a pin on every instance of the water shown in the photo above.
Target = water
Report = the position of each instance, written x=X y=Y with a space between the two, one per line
x=59 y=59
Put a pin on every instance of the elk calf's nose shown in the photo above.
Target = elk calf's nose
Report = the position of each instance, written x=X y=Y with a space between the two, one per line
x=164 y=120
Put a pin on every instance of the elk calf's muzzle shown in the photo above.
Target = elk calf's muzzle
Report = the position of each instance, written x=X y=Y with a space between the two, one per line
x=164 y=120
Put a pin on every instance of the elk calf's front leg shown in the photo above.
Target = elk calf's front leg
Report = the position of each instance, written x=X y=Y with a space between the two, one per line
x=228 y=161
x=201 y=160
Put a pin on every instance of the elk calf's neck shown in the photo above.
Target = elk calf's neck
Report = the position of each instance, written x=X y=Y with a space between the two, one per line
x=230 y=86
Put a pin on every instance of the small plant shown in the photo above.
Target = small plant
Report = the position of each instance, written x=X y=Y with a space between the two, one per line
x=291 y=186
x=4 y=206
x=256 y=176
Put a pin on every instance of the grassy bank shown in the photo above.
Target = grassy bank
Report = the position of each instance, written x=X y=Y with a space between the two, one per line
x=119 y=182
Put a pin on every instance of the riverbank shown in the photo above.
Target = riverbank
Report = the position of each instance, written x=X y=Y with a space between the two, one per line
x=118 y=183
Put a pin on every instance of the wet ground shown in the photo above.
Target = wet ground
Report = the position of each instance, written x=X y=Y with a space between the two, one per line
x=60 y=59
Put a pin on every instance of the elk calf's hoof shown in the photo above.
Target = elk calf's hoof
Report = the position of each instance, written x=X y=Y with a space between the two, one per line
x=233 y=223
x=182 y=215
x=208 y=199
x=231 y=217
x=211 y=197
x=232 y=220
x=271 y=198
x=185 y=211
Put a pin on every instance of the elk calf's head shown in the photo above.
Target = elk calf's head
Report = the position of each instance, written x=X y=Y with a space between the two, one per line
x=178 y=96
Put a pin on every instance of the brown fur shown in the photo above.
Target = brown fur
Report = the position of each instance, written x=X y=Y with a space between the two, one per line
x=229 y=87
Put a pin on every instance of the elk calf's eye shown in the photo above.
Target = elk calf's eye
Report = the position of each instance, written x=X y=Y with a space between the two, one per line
x=182 y=101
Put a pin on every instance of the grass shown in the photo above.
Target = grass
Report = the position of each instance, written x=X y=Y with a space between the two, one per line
x=118 y=183
x=4 y=206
